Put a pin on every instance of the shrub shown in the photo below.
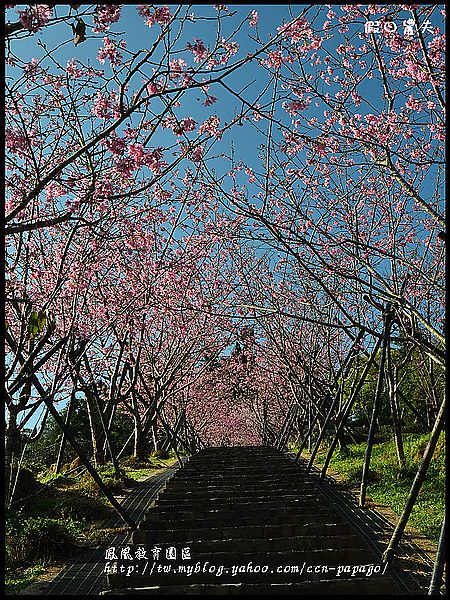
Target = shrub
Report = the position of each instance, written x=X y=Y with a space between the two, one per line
x=136 y=463
x=354 y=475
x=17 y=581
x=41 y=538
x=164 y=454
x=113 y=483
x=25 y=483
x=406 y=472
x=84 y=507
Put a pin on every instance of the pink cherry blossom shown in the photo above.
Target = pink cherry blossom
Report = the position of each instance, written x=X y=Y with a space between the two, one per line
x=160 y=15
x=198 y=49
x=105 y=106
x=414 y=104
x=179 y=127
x=209 y=100
x=253 y=18
x=296 y=30
x=176 y=67
x=72 y=69
x=197 y=153
x=220 y=277
x=105 y=15
x=35 y=16
x=109 y=51
x=211 y=125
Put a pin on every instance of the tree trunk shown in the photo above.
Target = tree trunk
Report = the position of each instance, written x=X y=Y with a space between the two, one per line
x=416 y=486
x=155 y=434
x=96 y=436
x=348 y=406
x=10 y=436
x=139 y=451
x=387 y=320
x=392 y=376
x=62 y=445
x=108 y=418
x=439 y=564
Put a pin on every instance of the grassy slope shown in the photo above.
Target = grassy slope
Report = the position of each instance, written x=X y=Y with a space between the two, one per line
x=76 y=507
x=389 y=486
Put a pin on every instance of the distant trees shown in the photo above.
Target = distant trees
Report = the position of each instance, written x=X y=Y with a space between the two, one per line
x=419 y=384
x=43 y=451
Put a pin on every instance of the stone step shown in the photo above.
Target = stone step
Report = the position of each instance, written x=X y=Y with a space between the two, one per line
x=246 y=457
x=199 y=545
x=238 y=503
x=235 y=507
x=367 y=586
x=241 y=450
x=226 y=481
x=325 y=554
x=250 y=461
x=227 y=477
x=183 y=492
x=155 y=522
x=169 y=515
x=249 y=495
x=143 y=536
x=297 y=485
x=228 y=484
x=236 y=463
x=268 y=466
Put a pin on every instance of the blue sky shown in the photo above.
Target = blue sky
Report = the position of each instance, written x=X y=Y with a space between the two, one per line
x=271 y=16
x=138 y=35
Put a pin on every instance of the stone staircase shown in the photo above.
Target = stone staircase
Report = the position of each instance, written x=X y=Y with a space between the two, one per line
x=254 y=523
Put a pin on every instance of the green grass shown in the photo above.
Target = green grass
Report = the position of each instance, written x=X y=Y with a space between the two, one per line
x=67 y=513
x=32 y=539
x=389 y=485
x=136 y=469
x=18 y=581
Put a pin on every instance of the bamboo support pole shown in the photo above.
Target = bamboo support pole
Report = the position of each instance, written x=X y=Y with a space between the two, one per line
x=439 y=563
x=348 y=407
x=416 y=486
x=334 y=403
x=72 y=441
x=62 y=445
x=387 y=320
x=343 y=371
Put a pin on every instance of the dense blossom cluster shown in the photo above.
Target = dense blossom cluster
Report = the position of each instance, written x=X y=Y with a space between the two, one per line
x=179 y=127
x=211 y=126
x=35 y=16
x=105 y=15
x=105 y=106
x=198 y=49
x=110 y=51
x=226 y=402
x=152 y=15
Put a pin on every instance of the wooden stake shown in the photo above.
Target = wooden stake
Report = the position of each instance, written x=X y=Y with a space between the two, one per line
x=62 y=445
x=416 y=486
x=439 y=563
x=348 y=407
x=387 y=319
